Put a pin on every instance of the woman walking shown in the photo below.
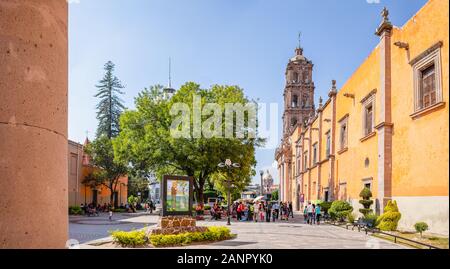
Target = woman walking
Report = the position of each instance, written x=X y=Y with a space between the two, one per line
x=305 y=214
x=261 y=212
x=318 y=213
x=256 y=211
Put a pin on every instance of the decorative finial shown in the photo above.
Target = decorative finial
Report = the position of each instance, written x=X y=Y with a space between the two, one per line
x=385 y=14
x=333 y=90
x=87 y=133
x=385 y=25
x=320 y=101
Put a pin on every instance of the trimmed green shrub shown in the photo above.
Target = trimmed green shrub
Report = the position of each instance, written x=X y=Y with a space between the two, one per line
x=371 y=219
x=75 y=210
x=130 y=239
x=339 y=210
x=325 y=206
x=366 y=202
x=212 y=234
x=388 y=221
x=421 y=227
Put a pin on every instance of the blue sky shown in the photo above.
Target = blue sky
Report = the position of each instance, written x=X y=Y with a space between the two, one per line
x=235 y=42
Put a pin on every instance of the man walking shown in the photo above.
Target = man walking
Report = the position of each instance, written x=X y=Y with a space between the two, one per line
x=291 y=212
x=268 y=211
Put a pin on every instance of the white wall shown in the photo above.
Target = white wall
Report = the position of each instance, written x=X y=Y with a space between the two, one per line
x=431 y=209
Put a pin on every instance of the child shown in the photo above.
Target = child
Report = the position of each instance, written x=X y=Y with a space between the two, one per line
x=110 y=214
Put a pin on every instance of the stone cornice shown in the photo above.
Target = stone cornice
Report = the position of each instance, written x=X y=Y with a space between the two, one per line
x=426 y=53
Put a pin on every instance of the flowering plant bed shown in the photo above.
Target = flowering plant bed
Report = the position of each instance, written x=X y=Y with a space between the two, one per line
x=141 y=239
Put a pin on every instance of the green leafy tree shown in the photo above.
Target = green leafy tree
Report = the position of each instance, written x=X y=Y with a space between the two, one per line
x=421 y=227
x=275 y=195
x=110 y=170
x=366 y=202
x=388 y=221
x=237 y=183
x=145 y=140
x=110 y=106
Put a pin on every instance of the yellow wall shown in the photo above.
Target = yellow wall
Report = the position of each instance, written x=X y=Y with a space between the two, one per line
x=351 y=163
x=420 y=146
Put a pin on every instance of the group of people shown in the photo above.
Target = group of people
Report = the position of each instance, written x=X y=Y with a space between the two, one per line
x=94 y=210
x=262 y=211
x=312 y=214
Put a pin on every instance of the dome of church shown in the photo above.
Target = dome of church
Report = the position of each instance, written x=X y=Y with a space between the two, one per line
x=298 y=58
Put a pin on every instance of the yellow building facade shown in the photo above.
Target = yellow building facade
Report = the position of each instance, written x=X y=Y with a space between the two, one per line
x=81 y=193
x=386 y=128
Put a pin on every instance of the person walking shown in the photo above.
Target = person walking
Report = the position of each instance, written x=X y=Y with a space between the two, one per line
x=239 y=211
x=314 y=214
x=268 y=211
x=277 y=209
x=291 y=211
x=305 y=214
x=151 y=205
x=256 y=211
x=310 y=213
x=318 y=214
x=261 y=211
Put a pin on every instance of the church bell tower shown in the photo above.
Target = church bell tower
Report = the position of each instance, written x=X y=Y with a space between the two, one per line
x=298 y=92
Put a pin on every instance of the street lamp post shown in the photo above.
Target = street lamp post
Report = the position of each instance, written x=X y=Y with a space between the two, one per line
x=262 y=186
x=229 y=165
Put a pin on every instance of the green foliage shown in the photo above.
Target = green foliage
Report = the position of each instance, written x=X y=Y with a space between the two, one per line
x=325 y=206
x=110 y=169
x=206 y=207
x=110 y=106
x=421 y=227
x=130 y=239
x=371 y=219
x=351 y=218
x=275 y=195
x=366 y=202
x=146 y=143
x=339 y=210
x=220 y=181
x=75 y=210
x=365 y=193
x=133 y=199
x=212 y=234
x=388 y=221
x=137 y=184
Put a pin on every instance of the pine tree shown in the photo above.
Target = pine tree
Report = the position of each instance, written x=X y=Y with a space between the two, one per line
x=110 y=106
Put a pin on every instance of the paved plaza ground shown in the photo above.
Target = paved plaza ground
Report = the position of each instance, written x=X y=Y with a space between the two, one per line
x=292 y=234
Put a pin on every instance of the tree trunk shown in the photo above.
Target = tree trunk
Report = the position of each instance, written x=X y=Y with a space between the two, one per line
x=111 y=196
x=199 y=193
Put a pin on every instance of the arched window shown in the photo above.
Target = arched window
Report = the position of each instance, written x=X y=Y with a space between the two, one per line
x=293 y=121
x=295 y=77
x=294 y=100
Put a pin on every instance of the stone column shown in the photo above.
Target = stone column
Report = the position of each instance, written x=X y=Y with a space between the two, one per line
x=33 y=123
x=319 y=153
x=384 y=127
x=332 y=193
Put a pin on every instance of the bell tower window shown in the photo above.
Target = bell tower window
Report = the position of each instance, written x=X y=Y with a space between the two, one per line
x=295 y=101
